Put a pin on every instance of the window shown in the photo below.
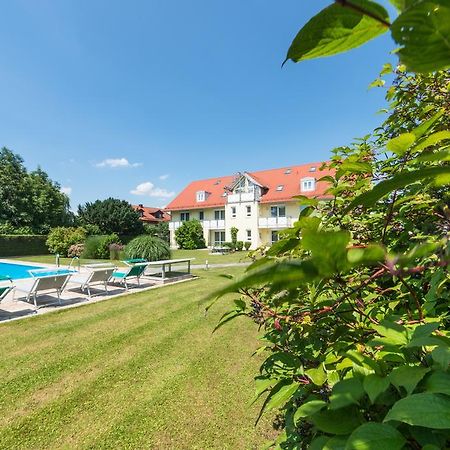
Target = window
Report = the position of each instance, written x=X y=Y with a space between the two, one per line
x=308 y=184
x=280 y=187
x=219 y=214
x=201 y=215
x=249 y=235
x=249 y=211
x=278 y=211
x=274 y=236
x=219 y=237
x=233 y=211
x=184 y=216
x=312 y=169
x=201 y=196
x=288 y=171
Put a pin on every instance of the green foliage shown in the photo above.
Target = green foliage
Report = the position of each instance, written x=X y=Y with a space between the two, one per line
x=354 y=298
x=147 y=247
x=111 y=216
x=92 y=230
x=27 y=245
x=421 y=29
x=189 y=235
x=247 y=245
x=239 y=245
x=234 y=232
x=60 y=239
x=29 y=200
x=160 y=230
x=97 y=247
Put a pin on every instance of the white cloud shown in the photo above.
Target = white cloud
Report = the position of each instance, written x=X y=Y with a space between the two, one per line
x=66 y=190
x=148 y=189
x=164 y=177
x=117 y=162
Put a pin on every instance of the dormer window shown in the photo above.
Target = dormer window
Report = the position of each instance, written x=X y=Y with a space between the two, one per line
x=312 y=169
x=201 y=196
x=280 y=187
x=287 y=171
x=308 y=184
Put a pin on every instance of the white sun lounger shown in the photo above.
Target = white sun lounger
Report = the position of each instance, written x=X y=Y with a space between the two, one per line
x=42 y=285
x=95 y=274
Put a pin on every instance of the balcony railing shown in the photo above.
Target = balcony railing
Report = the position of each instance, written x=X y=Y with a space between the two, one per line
x=243 y=197
x=207 y=224
x=275 y=222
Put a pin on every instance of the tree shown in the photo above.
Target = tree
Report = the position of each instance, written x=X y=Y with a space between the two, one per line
x=160 y=230
x=354 y=299
x=30 y=200
x=189 y=235
x=111 y=216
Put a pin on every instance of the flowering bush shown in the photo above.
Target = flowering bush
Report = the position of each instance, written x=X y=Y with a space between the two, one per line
x=75 y=250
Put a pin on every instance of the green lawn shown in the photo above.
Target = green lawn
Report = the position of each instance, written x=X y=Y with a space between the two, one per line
x=139 y=371
x=200 y=257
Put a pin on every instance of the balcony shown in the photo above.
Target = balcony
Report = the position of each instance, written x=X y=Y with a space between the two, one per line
x=206 y=224
x=275 y=222
x=243 y=197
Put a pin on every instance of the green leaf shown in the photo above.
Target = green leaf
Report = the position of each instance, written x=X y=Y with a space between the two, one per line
x=423 y=410
x=318 y=443
x=438 y=383
x=368 y=255
x=335 y=443
x=317 y=375
x=441 y=356
x=423 y=31
x=375 y=436
x=346 y=392
x=340 y=422
x=407 y=377
x=308 y=409
x=375 y=385
x=433 y=139
x=401 y=143
x=393 y=333
x=425 y=126
x=401 y=5
x=280 y=394
x=398 y=181
x=337 y=29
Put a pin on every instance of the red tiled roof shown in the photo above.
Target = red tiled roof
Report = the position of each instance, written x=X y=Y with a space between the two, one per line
x=215 y=187
x=150 y=214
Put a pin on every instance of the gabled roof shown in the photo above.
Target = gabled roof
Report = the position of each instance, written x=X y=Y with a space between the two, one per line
x=149 y=214
x=288 y=177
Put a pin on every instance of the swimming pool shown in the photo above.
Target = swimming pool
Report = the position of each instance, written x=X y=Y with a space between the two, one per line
x=17 y=271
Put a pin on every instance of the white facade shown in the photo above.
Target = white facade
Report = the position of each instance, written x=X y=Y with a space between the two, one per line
x=257 y=222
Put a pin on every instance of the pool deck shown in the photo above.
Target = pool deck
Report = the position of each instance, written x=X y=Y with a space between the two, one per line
x=15 y=306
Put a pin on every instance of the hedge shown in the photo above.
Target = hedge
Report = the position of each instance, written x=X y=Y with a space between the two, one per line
x=22 y=245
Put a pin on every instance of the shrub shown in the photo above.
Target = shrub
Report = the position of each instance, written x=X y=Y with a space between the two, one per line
x=234 y=232
x=97 y=247
x=247 y=245
x=9 y=229
x=75 y=250
x=229 y=245
x=61 y=238
x=22 y=245
x=147 y=247
x=239 y=246
x=115 y=251
x=190 y=235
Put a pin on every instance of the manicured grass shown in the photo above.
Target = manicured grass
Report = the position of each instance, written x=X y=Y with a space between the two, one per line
x=139 y=371
x=200 y=257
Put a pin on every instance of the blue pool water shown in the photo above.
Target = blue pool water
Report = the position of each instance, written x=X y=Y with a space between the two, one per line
x=17 y=271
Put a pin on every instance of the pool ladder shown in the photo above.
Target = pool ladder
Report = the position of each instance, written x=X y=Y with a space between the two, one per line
x=75 y=258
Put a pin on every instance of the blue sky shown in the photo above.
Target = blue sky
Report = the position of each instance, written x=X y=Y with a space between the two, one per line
x=135 y=99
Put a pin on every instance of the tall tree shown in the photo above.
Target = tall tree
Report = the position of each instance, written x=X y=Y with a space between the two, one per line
x=30 y=199
x=111 y=216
